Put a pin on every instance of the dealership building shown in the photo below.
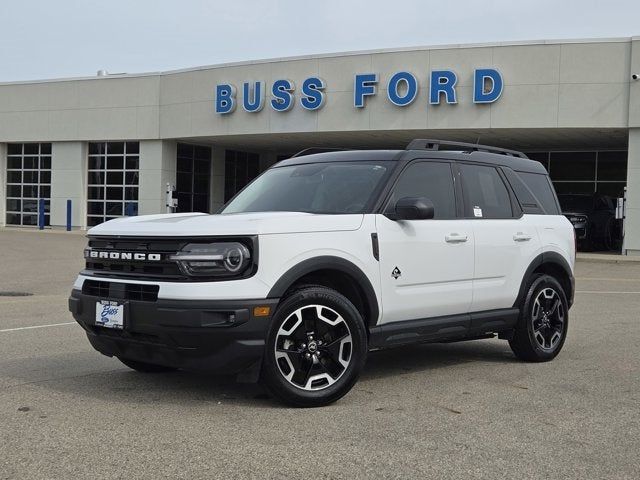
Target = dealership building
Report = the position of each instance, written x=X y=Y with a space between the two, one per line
x=111 y=143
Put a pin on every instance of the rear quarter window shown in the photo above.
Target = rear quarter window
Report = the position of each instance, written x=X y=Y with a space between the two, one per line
x=540 y=186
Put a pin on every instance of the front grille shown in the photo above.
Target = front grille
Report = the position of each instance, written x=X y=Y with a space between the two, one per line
x=147 y=258
x=121 y=291
x=163 y=269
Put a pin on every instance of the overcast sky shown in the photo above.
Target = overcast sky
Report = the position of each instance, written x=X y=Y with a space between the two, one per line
x=63 y=38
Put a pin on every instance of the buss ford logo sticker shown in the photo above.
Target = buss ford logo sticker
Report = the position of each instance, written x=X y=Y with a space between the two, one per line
x=396 y=273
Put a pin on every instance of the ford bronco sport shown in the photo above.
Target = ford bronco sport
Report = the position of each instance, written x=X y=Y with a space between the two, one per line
x=327 y=256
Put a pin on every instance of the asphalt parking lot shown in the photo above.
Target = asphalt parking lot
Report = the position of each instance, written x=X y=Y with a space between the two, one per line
x=465 y=410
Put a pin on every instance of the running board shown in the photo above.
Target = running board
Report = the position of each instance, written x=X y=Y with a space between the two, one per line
x=448 y=328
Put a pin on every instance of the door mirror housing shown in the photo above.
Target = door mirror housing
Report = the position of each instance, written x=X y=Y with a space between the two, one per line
x=414 y=208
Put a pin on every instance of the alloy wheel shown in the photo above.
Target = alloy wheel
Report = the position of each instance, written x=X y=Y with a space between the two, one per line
x=313 y=347
x=548 y=319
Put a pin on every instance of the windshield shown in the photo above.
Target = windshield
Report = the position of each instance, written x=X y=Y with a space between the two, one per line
x=336 y=187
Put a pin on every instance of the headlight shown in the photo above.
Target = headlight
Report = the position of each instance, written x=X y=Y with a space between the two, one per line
x=220 y=259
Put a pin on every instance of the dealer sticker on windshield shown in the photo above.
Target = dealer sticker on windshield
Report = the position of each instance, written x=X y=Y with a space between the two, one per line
x=477 y=211
x=110 y=314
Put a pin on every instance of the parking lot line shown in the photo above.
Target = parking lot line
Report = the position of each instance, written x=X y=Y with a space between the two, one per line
x=37 y=326
x=601 y=291
x=609 y=279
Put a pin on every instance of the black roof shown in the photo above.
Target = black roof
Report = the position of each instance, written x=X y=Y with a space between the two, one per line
x=517 y=163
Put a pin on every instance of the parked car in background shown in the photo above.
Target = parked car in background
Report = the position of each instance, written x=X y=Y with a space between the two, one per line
x=594 y=219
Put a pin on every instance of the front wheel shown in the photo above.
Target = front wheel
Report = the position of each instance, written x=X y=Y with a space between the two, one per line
x=544 y=319
x=315 y=349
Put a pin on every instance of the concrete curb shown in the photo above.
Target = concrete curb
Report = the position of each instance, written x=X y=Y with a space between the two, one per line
x=46 y=231
x=607 y=258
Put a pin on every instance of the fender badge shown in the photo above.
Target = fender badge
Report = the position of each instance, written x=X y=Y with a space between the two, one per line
x=396 y=273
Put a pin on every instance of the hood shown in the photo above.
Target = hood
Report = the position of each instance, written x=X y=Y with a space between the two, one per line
x=202 y=224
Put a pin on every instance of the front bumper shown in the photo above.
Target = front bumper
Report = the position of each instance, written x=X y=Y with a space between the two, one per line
x=221 y=336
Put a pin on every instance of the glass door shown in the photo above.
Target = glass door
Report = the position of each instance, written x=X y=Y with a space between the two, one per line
x=193 y=178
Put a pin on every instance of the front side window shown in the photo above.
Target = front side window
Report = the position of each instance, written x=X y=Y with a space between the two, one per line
x=432 y=180
x=330 y=188
x=28 y=181
x=486 y=195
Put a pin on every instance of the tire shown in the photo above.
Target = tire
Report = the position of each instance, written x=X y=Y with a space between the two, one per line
x=144 y=367
x=315 y=349
x=543 y=323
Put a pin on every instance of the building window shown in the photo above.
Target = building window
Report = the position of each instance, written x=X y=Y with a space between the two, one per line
x=603 y=172
x=193 y=178
x=28 y=181
x=112 y=181
x=239 y=169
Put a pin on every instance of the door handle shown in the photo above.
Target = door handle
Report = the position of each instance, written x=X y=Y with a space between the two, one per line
x=455 y=238
x=521 y=237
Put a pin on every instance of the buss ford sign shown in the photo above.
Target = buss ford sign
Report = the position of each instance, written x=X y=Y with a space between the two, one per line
x=402 y=90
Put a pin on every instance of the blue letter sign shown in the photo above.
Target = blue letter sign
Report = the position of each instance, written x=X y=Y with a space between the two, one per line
x=225 y=98
x=443 y=81
x=282 y=96
x=364 y=84
x=483 y=76
x=411 y=85
x=402 y=90
x=253 y=99
x=312 y=93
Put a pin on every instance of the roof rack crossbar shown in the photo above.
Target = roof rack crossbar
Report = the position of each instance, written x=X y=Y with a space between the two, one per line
x=430 y=144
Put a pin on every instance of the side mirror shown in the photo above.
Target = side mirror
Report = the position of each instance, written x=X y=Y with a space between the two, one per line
x=414 y=208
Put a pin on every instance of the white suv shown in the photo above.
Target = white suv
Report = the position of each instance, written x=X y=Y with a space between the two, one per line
x=327 y=256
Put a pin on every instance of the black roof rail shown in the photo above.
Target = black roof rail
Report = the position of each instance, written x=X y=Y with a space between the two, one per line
x=314 y=150
x=429 y=144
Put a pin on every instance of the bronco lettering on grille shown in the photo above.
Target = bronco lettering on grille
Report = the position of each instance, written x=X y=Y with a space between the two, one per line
x=140 y=257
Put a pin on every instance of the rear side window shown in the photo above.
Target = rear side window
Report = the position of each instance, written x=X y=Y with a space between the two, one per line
x=485 y=194
x=433 y=180
x=528 y=202
x=540 y=186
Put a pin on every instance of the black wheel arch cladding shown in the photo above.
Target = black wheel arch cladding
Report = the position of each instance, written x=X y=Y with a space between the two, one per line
x=548 y=263
x=327 y=262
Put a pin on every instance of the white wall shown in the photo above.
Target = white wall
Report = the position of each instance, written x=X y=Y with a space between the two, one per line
x=632 y=222
x=157 y=168
x=106 y=108
x=69 y=182
x=547 y=85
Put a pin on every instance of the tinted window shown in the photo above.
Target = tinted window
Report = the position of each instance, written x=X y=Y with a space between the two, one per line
x=527 y=200
x=541 y=188
x=576 y=203
x=573 y=165
x=485 y=193
x=428 y=179
x=612 y=166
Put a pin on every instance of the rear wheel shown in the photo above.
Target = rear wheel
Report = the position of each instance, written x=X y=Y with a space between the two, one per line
x=144 y=367
x=316 y=348
x=544 y=319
